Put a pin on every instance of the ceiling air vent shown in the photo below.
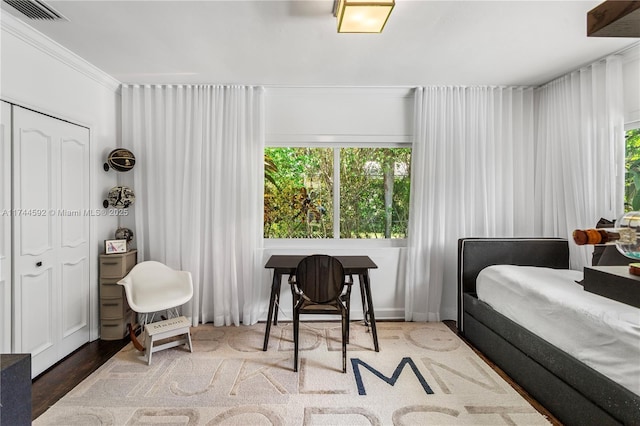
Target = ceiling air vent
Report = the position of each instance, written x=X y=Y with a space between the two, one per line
x=36 y=9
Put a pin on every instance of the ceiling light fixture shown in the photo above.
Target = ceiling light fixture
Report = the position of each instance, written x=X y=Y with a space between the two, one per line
x=362 y=16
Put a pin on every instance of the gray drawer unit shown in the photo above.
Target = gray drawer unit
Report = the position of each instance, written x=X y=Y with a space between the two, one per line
x=114 y=309
x=116 y=266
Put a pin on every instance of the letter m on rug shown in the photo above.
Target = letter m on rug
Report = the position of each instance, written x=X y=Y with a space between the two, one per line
x=356 y=363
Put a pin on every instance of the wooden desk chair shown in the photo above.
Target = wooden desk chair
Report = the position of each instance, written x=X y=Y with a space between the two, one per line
x=319 y=287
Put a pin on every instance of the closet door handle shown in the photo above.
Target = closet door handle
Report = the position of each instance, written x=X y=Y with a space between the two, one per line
x=38 y=264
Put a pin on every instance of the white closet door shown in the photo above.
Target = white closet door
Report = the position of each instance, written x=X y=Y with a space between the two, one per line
x=51 y=237
x=5 y=228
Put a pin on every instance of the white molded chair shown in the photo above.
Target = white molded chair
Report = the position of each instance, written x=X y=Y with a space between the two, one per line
x=152 y=287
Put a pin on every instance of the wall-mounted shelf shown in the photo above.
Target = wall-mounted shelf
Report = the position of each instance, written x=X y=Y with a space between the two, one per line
x=614 y=19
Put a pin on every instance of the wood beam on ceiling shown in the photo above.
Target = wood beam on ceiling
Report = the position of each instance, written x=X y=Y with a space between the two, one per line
x=614 y=18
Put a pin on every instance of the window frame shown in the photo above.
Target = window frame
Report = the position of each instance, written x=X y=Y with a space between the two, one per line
x=336 y=241
x=634 y=125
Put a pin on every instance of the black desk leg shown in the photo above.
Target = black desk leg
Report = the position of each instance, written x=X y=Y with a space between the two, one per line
x=364 y=302
x=275 y=292
x=277 y=306
x=364 y=281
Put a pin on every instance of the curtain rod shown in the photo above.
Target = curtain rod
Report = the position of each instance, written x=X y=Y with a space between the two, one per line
x=602 y=58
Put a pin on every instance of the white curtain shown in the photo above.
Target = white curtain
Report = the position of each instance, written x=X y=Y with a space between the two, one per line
x=198 y=182
x=580 y=152
x=471 y=176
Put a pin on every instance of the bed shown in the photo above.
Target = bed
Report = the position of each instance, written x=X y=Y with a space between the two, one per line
x=574 y=392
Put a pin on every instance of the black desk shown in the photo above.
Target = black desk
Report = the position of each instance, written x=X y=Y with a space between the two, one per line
x=353 y=265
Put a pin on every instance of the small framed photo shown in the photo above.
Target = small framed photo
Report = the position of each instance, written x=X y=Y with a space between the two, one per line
x=115 y=246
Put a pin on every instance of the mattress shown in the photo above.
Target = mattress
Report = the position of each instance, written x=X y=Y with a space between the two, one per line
x=600 y=332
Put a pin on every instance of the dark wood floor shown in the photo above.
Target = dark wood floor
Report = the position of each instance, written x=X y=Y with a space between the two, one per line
x=54 y=383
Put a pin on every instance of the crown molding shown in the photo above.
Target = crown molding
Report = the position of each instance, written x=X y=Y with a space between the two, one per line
x=631 y=53
x=31 y=36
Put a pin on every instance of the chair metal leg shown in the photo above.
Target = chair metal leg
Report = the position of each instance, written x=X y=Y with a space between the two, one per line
x=348 y=304
x=348 y=322
x=345 y=336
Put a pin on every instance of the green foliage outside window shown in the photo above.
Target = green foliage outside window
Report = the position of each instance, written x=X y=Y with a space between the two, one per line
x=374 y=194
x=299 y=192
x=632 y=176
x=298 y=196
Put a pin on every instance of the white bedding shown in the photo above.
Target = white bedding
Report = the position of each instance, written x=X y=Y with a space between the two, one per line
x=600 y=332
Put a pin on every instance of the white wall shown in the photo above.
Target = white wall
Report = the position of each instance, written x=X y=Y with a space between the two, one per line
x=39 y=74
x=339 y=114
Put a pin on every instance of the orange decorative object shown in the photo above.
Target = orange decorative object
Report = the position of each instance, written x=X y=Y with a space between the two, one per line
x=593 y=236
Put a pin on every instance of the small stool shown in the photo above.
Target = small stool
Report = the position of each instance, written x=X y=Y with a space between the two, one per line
x=156 y=331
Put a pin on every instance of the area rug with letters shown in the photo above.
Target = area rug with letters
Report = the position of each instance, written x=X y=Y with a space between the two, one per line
x=423 y=374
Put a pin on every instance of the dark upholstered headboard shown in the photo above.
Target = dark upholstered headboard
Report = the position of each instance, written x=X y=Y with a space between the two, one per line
x=475 y=254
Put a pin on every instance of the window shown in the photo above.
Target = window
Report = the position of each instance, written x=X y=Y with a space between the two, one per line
x=632 y=175
x=337 y=192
